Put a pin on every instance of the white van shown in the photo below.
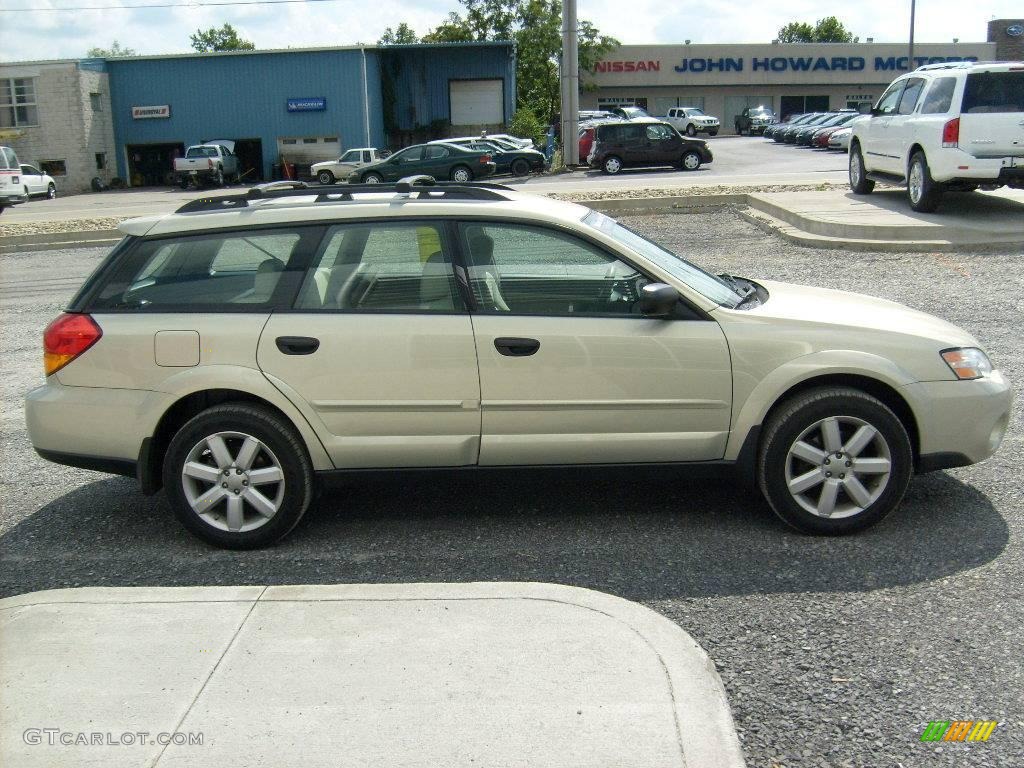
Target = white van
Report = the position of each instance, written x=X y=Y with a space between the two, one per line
x=11 y=191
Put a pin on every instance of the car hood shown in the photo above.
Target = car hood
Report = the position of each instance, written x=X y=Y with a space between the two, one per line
x=846 y=311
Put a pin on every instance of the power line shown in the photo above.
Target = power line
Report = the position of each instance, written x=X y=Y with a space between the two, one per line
x=159 y=5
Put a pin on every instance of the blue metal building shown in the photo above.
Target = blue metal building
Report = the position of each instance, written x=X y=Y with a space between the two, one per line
x=303 y=105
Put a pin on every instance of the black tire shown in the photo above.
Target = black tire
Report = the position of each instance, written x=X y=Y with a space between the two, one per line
x=923 y=192
x=520 y=167
x=51 y=192
x=326 y=177
x=713 y=133
x=690 y=130
x=690 y=161
x=860 y=184
x=218 y=178
x=461 y=174
x=611 y=165
x=276 y=434
x=372 y=178
x=792 y=419
x=183 y=182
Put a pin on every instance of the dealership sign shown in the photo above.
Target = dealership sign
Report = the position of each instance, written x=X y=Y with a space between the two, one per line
x=780 y=64
x=315 y=104
x=147 y=113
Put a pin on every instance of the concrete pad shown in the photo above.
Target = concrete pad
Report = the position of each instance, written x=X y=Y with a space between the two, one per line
x=485 y=674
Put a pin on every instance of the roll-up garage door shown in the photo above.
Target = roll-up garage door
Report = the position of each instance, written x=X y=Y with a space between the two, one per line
x=477 y=102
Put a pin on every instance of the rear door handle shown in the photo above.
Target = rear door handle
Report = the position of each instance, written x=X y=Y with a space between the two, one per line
x=297 y=345
x=512 y=346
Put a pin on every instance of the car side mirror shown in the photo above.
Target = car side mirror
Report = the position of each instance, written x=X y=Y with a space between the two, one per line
x=658 y=300
x=875 y=112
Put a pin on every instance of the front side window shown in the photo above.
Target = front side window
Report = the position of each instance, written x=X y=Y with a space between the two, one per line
x=910 y=95
x=994 y=92
x=887 y=104
x=658 y=133
x=18 y=102
x=529 y=270
x=939 y=97
x=28 y=170
x=209 y=272
x=381 y=267
x=410 y=155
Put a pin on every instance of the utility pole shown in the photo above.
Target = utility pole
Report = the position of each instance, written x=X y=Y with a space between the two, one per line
x=910 y=54
x=570 y=71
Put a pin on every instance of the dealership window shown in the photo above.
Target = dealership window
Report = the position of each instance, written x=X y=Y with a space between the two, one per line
x=96 y=102
x=662 y=104
x=606 y=102
x=309 y=141
x=289 y=141
x=54 y=167
x=18 y=102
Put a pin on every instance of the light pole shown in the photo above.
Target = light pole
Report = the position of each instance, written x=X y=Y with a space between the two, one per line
x=910 y=55
x=570 y=84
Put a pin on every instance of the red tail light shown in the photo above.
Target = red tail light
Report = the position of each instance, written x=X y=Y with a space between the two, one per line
x=951 y=133
x=209 y=163
x=485 y=158
x=66 y=338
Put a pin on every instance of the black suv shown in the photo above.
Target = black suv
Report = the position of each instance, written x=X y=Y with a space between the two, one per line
x=754 y=120
x=622 y=145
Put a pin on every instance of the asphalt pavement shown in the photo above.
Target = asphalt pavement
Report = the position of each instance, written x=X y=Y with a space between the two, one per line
x=833 y=651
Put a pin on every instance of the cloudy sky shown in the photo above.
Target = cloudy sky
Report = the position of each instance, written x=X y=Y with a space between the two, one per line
x=40 y=34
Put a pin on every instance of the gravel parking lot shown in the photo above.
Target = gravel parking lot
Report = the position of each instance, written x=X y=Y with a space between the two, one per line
x=835 y=652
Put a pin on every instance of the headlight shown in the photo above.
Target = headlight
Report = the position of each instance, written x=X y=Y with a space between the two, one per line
x=967 y=362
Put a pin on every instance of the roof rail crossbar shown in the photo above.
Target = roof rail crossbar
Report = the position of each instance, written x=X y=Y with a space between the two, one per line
x=408 y=188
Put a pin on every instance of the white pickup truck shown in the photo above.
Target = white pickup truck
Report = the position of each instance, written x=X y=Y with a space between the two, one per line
x=330 y=171
x=205 y=164
x=691 y=121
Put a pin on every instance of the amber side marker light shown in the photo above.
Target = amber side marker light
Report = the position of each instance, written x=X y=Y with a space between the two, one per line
x=967 y=362
x=66 y=338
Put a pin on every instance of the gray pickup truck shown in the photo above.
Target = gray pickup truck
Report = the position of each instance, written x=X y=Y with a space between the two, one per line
x=213 y=163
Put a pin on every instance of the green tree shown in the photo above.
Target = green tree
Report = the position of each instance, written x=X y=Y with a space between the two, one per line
x=827 y=30
x=536 y=28
x=224 y=39
x=115 y=50
x=403 y=34
x=528 y=125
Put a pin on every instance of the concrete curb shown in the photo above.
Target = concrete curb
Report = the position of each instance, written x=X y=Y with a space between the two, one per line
x=704 y=731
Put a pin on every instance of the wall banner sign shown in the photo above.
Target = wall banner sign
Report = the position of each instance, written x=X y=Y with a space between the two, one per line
x=147 y=113
x=314 y=104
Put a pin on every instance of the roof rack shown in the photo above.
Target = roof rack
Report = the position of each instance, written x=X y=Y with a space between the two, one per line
x=409 y=188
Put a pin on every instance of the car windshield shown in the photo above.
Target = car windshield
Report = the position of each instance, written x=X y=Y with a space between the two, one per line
x=761 y=111
x=693 y=111
x=706 y=284
x=201 y=152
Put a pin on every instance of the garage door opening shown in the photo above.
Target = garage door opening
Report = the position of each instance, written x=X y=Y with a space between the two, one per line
x=152 y=165
x=477 y=103
x=250 y=160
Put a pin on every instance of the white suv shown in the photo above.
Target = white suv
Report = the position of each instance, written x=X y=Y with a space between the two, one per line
x=244 y=348
x=957 y=126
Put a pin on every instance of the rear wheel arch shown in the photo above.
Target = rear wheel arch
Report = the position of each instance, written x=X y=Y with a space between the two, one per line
x=913 y=150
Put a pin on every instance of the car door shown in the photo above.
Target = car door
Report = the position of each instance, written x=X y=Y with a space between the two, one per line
x=900 y=130
x=437 y=161
x=570 y=373
x=664 y=146
x=378 y=349
x=408 y=162
x=347 y=163
x=32 y=180
x=876 y=142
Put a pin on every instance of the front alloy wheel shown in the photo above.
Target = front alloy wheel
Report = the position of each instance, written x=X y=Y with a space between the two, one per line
x=691 y=161
x=51 y=192
x=860 y=184
x=834 y=460
x=325 y=177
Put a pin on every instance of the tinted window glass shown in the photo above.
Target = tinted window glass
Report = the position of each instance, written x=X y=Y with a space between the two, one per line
x=939 y=97
x=658 y=133
x=367 y=157
x=910 y=95
x=410 y=155
x=209 y=272
x=887 y=104
x=436 y=153
x=352 y=156
x=994 y=92
x=380 y=267
x=534 y=271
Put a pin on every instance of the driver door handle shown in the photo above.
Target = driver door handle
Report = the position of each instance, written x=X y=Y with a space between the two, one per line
x=297 y=345
x=512 y=346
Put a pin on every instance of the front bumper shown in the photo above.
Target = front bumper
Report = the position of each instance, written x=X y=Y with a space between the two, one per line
x=960 y=418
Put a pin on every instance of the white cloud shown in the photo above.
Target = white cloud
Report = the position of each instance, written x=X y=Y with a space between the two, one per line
x=40 y=34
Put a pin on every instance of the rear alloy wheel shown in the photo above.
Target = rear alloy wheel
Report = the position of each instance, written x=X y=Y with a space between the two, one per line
x=611 y=165
x=325 y=177
x=690 y=130
x=238 y=476
x=691 y=161
x=372 y=178
x=520 y=167
x=834 y=460
x=218 y=178
x=923 y=192
x=860 y=184
x=51 y=192
x=461 y=174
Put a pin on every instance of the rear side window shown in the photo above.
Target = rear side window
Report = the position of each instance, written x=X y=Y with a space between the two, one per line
x=994 y=92
x=910 y=95
x=939 y=97
x=213 y=272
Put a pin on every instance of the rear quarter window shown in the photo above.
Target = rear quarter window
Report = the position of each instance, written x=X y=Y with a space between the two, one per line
x=988 y=92
x=939 y=97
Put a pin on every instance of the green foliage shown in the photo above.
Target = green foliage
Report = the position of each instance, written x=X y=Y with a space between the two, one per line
x=536 y=28
x=403 y=34
x=827 y=30
x=527 y=125
x=224 y=39
x=115 y=50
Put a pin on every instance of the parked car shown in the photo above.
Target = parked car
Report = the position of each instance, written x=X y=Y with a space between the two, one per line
x=788 y=135
x=822 y=136
x=773 y=130
x=518 y=141
x=754 y=119
x=517 y=161
x=11 y=190
x=36 y=183
x=636 y=144
x=207 y=164
x=956 y=126
x=330 y=171
x=802 y=136
x=242 y=357
x=841 y=139
x=629 y=112
x=441 y=160
x=691 y=121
